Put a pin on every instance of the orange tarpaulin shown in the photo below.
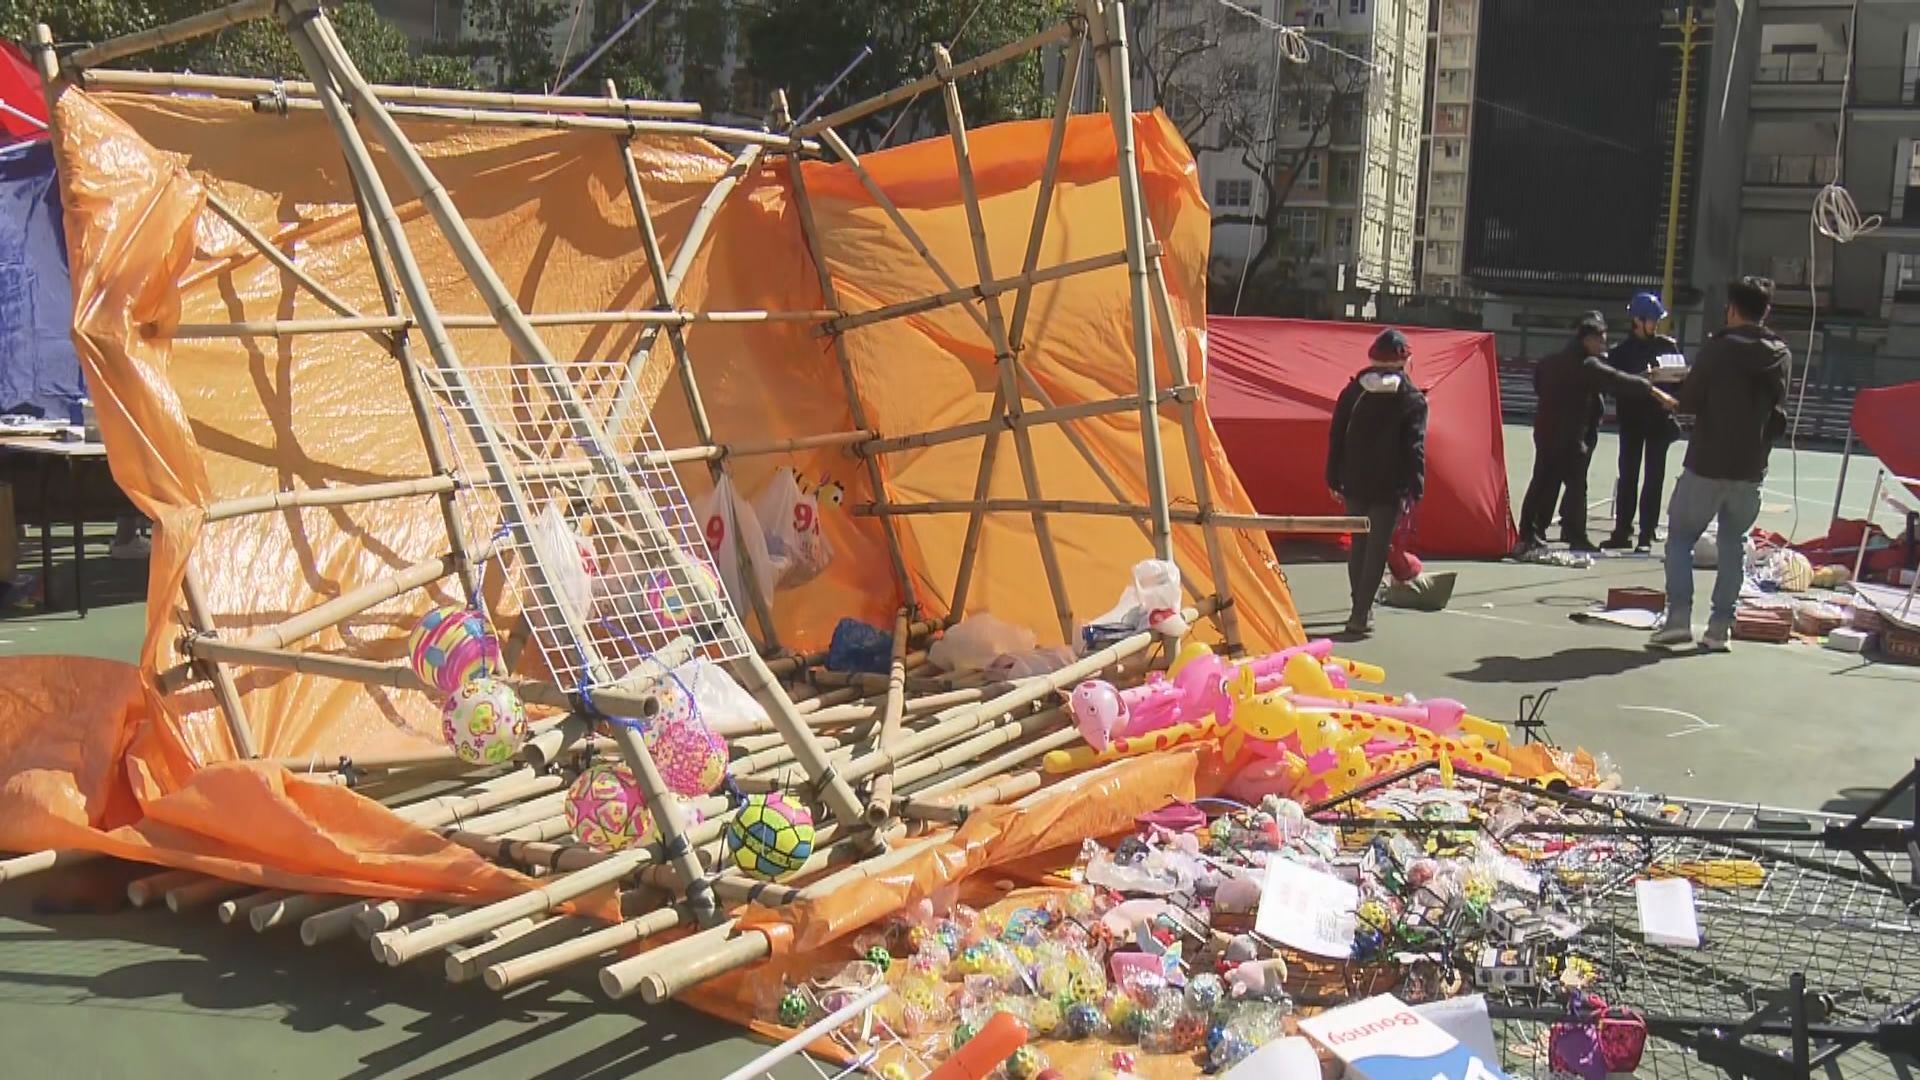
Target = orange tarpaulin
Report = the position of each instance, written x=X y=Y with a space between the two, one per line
x=191 y=422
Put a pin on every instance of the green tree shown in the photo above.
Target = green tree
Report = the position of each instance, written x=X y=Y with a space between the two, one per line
x=515 y=38
x=801 y=45
x=258 y=49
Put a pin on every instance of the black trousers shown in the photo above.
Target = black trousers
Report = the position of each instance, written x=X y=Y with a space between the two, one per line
x=1554 y=469
x=1637 y=445
x=1367 y=555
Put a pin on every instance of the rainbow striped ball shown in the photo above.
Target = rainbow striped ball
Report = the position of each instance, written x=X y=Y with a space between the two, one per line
x=770 y=837
x=484 y=723
x=452 y=647
x=604 y=809
x=692 y=758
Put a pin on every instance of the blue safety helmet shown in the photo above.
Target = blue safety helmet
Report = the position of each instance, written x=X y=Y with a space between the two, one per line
x=1647 y=306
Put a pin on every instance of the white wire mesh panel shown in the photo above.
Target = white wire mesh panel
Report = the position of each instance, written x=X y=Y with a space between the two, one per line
x=603 y=552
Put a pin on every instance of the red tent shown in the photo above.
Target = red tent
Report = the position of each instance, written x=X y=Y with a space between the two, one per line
x=20 y=92
x=1884 y=420
x=1271 y=385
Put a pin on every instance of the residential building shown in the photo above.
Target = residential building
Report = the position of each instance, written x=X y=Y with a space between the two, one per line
x=1820 y=92
x=1324 y=155
x=1454 y=30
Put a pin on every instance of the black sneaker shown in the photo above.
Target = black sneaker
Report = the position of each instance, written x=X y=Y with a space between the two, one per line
x=1616 y=542
x=1581 y=545
x=1644 y=547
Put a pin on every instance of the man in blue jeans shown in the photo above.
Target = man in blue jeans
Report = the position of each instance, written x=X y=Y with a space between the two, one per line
x=1737 y=395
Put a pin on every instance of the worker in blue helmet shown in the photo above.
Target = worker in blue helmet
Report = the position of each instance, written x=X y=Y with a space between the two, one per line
x=1646 y=429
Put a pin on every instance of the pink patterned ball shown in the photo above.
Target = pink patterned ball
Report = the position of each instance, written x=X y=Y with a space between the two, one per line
x=604 y=809
x=451 y=647
x=484 y=722
x=691 y=757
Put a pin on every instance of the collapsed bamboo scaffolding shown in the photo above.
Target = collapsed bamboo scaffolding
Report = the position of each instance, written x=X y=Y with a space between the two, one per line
x=922 y=751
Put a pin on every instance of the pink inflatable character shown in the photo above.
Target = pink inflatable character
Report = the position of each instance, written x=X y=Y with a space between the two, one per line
x=1104 y=713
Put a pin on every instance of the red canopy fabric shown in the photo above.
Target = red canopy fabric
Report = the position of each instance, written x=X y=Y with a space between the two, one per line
x=1884 y=420
x=20 y=89
x=1271 y=385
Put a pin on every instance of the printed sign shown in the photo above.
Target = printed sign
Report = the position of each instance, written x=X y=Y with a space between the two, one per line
x=1382 y=1038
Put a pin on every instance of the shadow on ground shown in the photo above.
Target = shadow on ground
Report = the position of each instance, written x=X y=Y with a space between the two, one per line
x=197 y=978
x=1567 y=665
x=1854 y=800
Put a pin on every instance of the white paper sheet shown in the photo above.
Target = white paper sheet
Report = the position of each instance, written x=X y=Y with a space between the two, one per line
x=1667 y=915
x=1308 y=910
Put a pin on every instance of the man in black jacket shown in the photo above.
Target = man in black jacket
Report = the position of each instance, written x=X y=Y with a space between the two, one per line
x=1737 y=395
x=1567 y=386
x=1377 y=462
x=1646 y=429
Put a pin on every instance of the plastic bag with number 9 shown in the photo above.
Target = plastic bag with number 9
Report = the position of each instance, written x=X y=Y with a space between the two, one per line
x=724 y=515
x=796 y=546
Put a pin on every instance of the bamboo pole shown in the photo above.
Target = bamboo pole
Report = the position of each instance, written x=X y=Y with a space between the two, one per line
x=224 y=690
x=1278 y=523
x=226 y=86
x=173 y=33
x=332 y=924
x=272 y=253
x=1109 y=32
x=1043 y=199
x=291 y=909
x=664 y=289
x=144 y=891
x=333 y=612
x=880 y=801
x=986 y=290
x=682 y=129
x=977 y=428
x=336 y=495
x=241 y=908
x=998 y=765
x=922 y=85
x=1004 y=358
x=506 y=974
x=856 y=407
x=366 y=324
x=510 y=942
x=198 y=894
x=39 y=862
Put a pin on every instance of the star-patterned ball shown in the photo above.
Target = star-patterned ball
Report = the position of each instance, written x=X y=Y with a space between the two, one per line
x=604 y=809
x=452 y=647
x=484 y=722
x=672 y=598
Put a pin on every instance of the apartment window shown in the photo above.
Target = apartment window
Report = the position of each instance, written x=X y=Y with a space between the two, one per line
x=1906 y=277
x=1343 y=174
x=1343 y=234
x=1310 y=175
x=1356 y=7
x=1232 y=194
x=1300 y=227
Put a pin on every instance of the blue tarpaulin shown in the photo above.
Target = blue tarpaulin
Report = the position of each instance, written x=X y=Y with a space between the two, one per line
x=38 y=368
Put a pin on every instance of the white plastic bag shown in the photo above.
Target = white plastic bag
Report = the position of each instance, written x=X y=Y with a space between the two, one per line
x=1041 y=661
x=1151 y=601
x=975 y=643
x=721 y=703
x=723 y=516
x=566 y=561
x=791 y=517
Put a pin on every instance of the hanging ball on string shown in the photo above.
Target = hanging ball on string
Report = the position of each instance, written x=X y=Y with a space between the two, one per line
x=484 y=722
x=770 y=836
x=672 y=598
x=451 y=647
x=604 y=809
x=691 y=757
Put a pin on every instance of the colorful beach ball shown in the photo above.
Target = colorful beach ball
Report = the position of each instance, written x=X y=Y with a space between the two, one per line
x=770 y=837
x=452 y=647
x=671 y=599
x=604 y=809
x=484 y=723
x=691 y=756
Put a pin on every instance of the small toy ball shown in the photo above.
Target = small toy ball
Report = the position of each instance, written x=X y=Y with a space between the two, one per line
x=1122 y=1061
x=770 y=836
x=692 y=759
x=879 y=957
x=1205 y=991
x=793 y=1008
x=484 y=722
x=1026 y=1063
x=673 y=603
x=1048 y=1074
x=604 y=809
x=963 y=1033
x=1084 y=1020
x=893 y=1070
x=451 y=647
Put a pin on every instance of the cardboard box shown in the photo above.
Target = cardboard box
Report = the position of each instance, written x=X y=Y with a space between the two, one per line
x=1848 y=640
x=1381 y=1038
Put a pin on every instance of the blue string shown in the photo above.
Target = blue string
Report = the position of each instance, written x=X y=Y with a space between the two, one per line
x=584 y=687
